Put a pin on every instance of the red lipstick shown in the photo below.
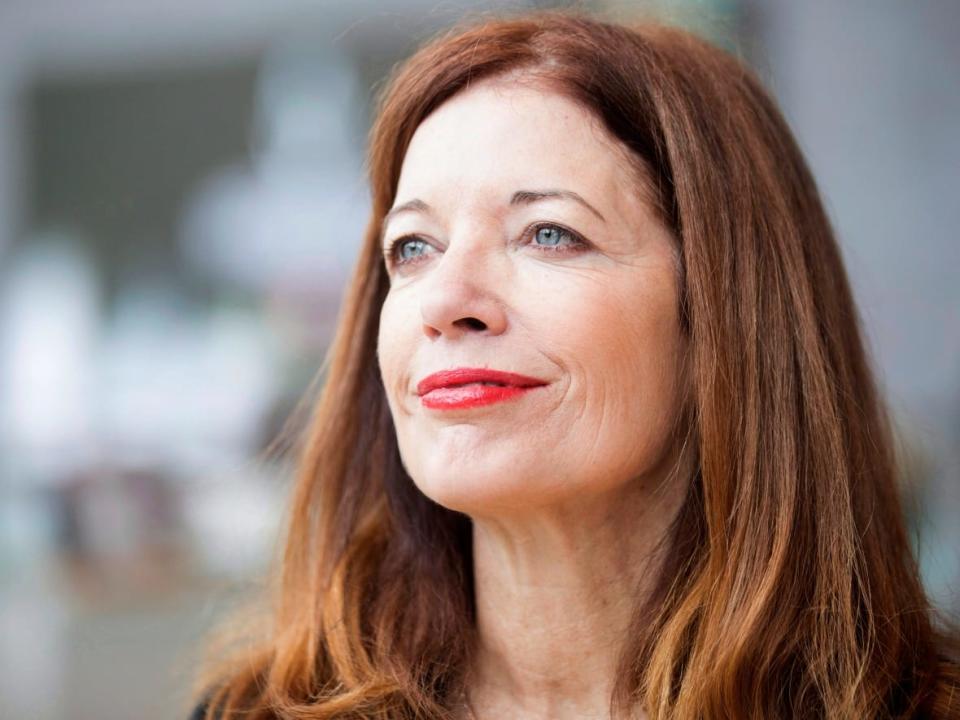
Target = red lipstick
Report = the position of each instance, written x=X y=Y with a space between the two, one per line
x=471 y=387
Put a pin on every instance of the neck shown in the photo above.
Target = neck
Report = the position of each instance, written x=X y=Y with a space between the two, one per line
x=556 y=591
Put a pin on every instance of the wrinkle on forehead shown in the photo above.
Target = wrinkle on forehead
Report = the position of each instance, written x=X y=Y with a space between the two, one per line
x=603 y=161
x=536 y=80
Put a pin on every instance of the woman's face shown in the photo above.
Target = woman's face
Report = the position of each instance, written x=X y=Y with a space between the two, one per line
x=525 y=246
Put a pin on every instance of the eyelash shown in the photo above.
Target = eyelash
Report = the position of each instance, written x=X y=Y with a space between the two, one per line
x=578 y=244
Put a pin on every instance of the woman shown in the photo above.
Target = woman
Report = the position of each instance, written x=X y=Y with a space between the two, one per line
x=599 y=437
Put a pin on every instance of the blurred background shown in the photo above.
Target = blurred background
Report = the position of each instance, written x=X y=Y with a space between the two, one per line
x=181 y=199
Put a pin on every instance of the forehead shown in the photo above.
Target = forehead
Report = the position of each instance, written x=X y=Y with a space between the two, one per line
x=499 y=135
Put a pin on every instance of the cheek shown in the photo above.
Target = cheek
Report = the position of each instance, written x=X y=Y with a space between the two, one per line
x=612 y=331
x=620 y=344
x=392 y=342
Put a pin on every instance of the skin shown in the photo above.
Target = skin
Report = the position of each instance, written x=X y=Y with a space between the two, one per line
x=571 y=485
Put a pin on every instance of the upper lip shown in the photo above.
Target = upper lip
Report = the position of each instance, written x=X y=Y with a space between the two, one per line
x=465 y=376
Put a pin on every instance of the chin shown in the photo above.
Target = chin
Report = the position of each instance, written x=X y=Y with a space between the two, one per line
x=461 y=490
x=471 y=488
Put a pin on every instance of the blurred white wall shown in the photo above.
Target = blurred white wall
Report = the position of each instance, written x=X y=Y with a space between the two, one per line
x=871 y=90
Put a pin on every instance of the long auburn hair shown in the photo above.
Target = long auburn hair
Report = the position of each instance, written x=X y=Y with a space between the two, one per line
x=790 y=590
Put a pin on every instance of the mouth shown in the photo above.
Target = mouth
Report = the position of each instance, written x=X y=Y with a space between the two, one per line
x=486 y=377
x=471 y=387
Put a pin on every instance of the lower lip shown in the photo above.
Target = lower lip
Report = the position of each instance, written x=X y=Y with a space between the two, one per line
x=468 y=396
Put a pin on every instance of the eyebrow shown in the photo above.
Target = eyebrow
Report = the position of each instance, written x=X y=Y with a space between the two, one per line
x=520 y=197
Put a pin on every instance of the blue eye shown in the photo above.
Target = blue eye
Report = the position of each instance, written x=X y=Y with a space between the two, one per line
x=410 y=248
x=551 y=236
x=406 y=249
x=556 y=238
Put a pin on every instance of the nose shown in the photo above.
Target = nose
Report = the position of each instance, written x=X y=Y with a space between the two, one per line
x=461 y=297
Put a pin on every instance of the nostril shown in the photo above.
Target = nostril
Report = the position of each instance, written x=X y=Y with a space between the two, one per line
x=473 y=323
